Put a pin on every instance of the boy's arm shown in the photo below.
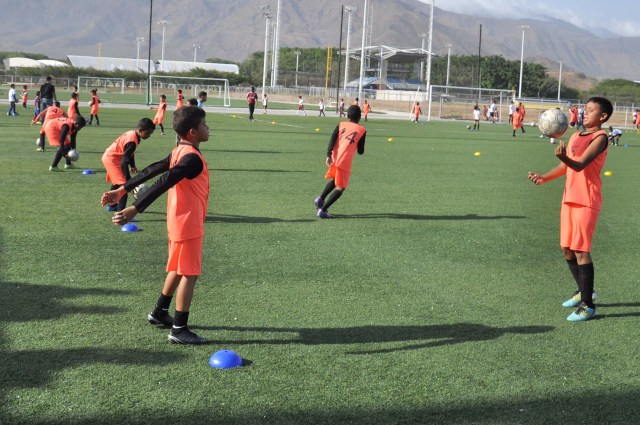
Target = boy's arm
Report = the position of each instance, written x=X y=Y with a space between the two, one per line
x=361 y=144
x=148 y=173
x=127 y=159
x=597 y=146
x=64 y=131
x=332 y=143
x=559 y=171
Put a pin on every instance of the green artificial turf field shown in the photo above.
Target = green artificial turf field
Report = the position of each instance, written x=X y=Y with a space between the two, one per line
x=432 y=296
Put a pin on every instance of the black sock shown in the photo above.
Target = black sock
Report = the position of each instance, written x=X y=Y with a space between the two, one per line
x=180 y=319
x=58 y=157
x=327 y=189
x=163 y=303
x=573 y=267
x=333 y=198
x=122 y=203
x=586 y=277
x=161 y=128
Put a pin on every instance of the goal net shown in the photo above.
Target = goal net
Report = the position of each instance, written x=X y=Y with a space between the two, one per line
x=217 y=89
x=456 y=103
x=103 y=85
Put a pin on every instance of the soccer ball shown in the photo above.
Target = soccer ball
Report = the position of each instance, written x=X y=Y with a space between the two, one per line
x=38 y=141
x=468 y=127
x=553 y=123
x=73 y=155
x=139 y=190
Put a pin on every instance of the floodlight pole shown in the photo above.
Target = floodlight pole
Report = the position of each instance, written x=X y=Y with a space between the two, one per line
x=138 y=40
x=297 y=62
x=149 y=54
x=448 y=46
x=196 y=46
x=266 y=11
x=347 y=9
x=523 y=27
x=276 y=49
x=428 y=82
x=164 y=25
x=364 y=39
x=423 y=36
x=560 y=79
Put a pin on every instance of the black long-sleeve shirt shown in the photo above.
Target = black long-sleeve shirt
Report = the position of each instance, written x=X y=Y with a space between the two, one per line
x=189 y=167
x=334 y=139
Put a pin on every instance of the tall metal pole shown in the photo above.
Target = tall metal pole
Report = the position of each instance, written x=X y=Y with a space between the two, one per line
x=428 y=82
x=276 y=52
x=560 y=79
x=297 y=63
x=479 y=65
x=149 y=57
x=364 y=39
x=423 y=36
x=196 y=46
x=339 y=58
x=138 y=40
x=347 y=9
x=266 y=11
x=164 y=25
x=523 y=27
x=448 y=46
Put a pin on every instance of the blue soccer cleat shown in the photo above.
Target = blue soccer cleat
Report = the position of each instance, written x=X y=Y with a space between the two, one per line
x=319 y=203
x=576 y=299
x=582 y=314
x=323 y=214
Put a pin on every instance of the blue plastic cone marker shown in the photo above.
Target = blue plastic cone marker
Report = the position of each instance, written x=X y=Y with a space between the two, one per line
x=130 y=227
x=134 y=220
x=87 y=171
x=225 y=359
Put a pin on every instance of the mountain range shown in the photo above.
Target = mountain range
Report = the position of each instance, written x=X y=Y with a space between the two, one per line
x=233 y=29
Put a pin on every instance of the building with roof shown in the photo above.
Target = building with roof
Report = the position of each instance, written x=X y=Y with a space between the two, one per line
x=141 y=65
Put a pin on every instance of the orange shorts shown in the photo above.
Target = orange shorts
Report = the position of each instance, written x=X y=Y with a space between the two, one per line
x=339 y=175
x=577 y=226
x=185 y=257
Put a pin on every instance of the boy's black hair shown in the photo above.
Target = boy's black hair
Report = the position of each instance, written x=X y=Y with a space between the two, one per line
x=192 y=102
x=49 y=78
x=179 y=90
x=145 y=124
x=163 y=96
x=38 y=93
x=354 y=113
x=56 y=103
x=74 y=95
x=187 y=118
x=605 y=105
x=79 y=121
x=202 y=94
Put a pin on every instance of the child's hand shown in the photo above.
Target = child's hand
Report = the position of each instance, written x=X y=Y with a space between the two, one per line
x=561 y=150
x=113 y=196
x=134 y=170
x=329 y=161
x=124 y=216
x=536 y=178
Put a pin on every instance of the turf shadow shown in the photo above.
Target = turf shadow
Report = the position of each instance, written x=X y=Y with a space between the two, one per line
x=431 y=217
x=239 y=219
x=257 y=170
x=247 y=151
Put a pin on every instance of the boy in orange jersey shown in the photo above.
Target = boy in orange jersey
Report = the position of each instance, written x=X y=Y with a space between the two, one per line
x=581 y=161
x=94 y=103
x=119 y=158
x=179 y=99
x=162 y=109
x=186 y=177
x=61 y=132
x=366 y=108
x=573 y=116
x=48 y=114
x=522 y=113
x=25 y=97
x=517 y=121
x=73 y=110
x=348 y=137
x=417 y=111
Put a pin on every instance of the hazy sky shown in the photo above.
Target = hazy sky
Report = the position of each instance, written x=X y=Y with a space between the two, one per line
x=621 y=17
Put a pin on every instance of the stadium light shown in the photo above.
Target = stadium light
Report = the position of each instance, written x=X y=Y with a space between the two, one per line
x=298 y=53
x=347 y=9
x=448 y=46
x=560 y=79
x=276 y=54
x=428 y=82
x=196 y=46
x=364 y=40
x=266 y=11
x=138 y=40
x=523 y=27
x=423 y=36
x=164 y=25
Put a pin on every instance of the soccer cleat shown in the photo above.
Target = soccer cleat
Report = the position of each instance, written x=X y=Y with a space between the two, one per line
x=185 y=336
x=576 y=299
x=111 y=208
x=582 y=314
x=54 y=169
x=319 y=202
x=40 y=150
x=160 y=319
x=69 y=166
x=323 y=214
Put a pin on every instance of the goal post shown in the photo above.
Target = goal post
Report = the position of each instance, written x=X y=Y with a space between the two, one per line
x=456 y=103
x=217 y=89
x=102 y=84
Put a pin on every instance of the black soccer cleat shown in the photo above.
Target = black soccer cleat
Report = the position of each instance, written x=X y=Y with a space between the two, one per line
x=185 y=336
x=160 y=319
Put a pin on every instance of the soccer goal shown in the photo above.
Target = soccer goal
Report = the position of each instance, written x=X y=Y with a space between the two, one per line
x=217 y=89
x=104 y=85
x=456 y=103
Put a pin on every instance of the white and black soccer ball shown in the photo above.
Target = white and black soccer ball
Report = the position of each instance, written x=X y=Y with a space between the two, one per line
x=73 y=155
x=38 y=142
x=468 y=127
x=139 y=190
x=553 y=123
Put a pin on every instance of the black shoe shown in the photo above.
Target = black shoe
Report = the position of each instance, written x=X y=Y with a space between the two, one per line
x=185 y=336
x=160 y=319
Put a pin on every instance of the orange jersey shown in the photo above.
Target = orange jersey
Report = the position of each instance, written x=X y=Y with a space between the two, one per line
x=71 y=110
x=162 y=108
x=517 y=120
x=179 y=101
x=25 y=96
x=349 y=134
x=53 y=130
x=573 y=114
x=638 y=119
x=417 y=111
x=112 y=157
x=366 y=109
x=584 y=187
x=95 y=101
x=188 y=200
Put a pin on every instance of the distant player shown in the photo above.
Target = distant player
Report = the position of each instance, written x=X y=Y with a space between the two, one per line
x=321 y=108
x=25 y=97
x=12 y=101
x=512 y=110
x=119 y=158
x=301 y=106
x=347 y=138
x=185 y=176
x=52 y=112
x=366 y=108
x=614 y=136
x=202 y=98
x=265 y=103
x=252 y=99
x=179 y=99
x=162 y=109
x=492 y=112
x=62 y=132
x=573 y=116
x=476 y=118
x=517 y=121
x=36 y=104
x=341 y=108
x=95 y=106
x=356 y=102
x=582 y=161
x=73 y=110
x=417 y=111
